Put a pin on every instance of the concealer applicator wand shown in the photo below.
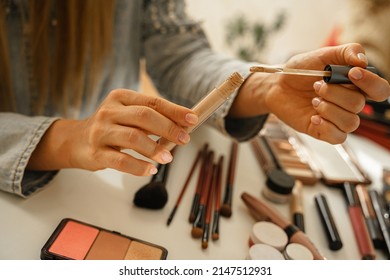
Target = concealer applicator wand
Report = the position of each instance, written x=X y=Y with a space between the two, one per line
x=154 y=194
x=332 y=74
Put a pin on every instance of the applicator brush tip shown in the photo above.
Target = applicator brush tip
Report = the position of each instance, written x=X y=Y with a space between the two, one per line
x=226 y=210
x=196 y=232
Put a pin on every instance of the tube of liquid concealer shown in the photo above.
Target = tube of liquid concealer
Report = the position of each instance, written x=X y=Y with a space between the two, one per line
x=210 y=103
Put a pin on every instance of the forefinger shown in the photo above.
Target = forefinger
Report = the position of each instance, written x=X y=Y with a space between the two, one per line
x=179 y=114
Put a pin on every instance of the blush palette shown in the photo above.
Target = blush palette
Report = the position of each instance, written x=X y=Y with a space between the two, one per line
x=75 y=240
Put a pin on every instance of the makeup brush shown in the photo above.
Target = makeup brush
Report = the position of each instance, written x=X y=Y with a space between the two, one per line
x=217 y=200
x=194 y=164
x=209 y=208
x=226 y=209
x=199 y=184
x=154 y=194
x=198 y=225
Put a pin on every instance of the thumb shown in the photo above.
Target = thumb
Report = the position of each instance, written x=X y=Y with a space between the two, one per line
x=349 y=54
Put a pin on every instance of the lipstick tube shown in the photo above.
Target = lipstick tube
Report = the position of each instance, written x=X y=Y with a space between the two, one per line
x=369 y=216
x=362 y=236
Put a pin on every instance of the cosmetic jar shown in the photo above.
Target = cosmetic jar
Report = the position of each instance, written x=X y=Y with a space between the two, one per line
x=279 y=186
x=269 y=234
x=295 y=251
x=264 y=252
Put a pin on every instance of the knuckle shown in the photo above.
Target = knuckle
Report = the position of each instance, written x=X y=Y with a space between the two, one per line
x=104 y=112
x=153 y=152
x=334 y=135
x=330 y=133
x=340 y=138
x=94 y=156
x=155 y=103
x=134 y=136
x=173 y=131
x=115 y=94
x=357 y=104
x=383 y=92
x=96 y=131
x=353 y=124
x=349 y=124
x=119 y=162
x=140 y=171
x=143 y=113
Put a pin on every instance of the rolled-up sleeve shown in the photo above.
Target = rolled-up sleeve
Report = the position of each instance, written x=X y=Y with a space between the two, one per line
x=19 y=137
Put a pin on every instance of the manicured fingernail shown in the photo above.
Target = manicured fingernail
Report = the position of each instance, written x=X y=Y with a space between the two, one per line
x=191 y=118
x=166 y=156
x=356 y=73
x=316 y=120
x=184 y=137
x=153 y=170
x=316 y=101
x=317 y=86
x=362 y=57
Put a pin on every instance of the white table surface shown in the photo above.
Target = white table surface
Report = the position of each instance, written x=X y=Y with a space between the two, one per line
x=105 y=199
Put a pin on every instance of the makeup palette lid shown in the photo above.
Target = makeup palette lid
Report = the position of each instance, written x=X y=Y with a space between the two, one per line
x=270 y=234
x=264 y=252
x=280 y=182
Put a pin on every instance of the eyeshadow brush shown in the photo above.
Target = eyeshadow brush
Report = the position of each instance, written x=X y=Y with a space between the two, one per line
x=209 y=208
x=198 y=225
x=154 y=194
x=194 y=164
x=217 y=200
x=198 y=190
x=226 y=209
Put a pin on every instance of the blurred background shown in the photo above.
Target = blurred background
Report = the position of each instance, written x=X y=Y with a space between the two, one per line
x=303 y=25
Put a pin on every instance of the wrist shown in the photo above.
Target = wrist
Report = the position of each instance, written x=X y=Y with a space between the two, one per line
x=251 y=99
x=54 y=151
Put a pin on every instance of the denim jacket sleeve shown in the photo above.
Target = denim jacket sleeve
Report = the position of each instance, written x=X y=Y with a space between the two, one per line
x=19 y=136
x=184 y=68
x=180 y=61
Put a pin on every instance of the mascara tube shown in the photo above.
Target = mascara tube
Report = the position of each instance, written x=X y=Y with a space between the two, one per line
x=332 y=234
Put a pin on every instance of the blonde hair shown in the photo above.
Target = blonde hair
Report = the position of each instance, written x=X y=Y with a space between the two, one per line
x=67 y=52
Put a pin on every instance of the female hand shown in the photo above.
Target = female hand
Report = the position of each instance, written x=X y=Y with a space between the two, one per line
x=325 y=111
x=125 y=120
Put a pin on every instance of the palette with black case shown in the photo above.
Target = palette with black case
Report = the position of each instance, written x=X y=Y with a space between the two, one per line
x=75 y=240
x=305 y=158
